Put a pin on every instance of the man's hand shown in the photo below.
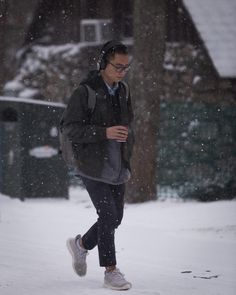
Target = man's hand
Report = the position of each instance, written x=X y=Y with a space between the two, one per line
x=119 y=133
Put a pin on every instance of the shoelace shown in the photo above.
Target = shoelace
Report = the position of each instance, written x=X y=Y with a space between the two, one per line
x=82 y=253
x=118 y=273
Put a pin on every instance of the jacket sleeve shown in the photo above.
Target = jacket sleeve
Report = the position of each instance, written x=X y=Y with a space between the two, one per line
x=76 y=119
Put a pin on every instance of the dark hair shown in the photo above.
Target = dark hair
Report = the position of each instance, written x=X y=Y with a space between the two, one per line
x=118 y=49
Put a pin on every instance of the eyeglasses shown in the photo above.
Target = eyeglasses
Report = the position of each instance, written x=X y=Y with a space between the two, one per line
x=120 y=69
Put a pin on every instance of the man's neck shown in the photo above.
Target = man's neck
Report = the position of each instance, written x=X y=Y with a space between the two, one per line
x=108 y=81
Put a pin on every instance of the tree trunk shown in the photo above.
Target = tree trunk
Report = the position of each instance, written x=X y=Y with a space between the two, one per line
x=3 y=11
x=146 y=81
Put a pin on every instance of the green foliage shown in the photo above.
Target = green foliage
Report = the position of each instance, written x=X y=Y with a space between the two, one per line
x=197 y=154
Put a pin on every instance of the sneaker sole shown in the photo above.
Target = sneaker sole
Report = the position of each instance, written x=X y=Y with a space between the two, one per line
x=78 y=269
x=125 y=287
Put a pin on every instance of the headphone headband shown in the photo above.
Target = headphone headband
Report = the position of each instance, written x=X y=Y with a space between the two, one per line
x=101 y=63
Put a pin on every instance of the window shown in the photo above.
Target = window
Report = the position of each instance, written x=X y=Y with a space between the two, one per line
x=89 y=33
x=106 y=31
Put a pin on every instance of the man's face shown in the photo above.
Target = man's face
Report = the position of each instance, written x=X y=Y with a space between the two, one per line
x=116 y=68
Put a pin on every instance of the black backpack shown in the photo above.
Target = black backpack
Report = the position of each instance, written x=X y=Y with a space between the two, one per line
x=66 y=148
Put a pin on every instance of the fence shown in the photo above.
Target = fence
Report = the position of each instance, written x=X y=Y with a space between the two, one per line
x=30 y=165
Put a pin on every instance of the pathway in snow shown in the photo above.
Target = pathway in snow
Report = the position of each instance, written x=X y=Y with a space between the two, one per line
x=166 y=248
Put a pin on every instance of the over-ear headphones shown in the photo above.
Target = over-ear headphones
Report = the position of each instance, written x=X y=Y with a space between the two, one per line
x=102 y=62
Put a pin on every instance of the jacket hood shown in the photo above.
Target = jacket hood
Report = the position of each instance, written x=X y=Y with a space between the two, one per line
x=93 y=79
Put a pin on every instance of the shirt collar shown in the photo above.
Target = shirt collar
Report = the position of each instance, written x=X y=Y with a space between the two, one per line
x=112 y=90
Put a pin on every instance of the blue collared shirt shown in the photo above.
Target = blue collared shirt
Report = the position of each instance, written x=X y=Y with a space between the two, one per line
x=112 y=90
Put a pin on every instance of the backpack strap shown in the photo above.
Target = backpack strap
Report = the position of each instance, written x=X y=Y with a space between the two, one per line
x=126 y=86
x=92 y=97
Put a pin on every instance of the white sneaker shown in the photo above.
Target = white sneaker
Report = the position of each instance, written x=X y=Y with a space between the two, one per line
x=115 y=280
x=78 y=256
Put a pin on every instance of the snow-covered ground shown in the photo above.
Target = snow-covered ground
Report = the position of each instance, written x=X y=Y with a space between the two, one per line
x=166 y=248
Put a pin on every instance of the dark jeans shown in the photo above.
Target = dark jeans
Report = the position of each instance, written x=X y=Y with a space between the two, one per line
x=109 y=203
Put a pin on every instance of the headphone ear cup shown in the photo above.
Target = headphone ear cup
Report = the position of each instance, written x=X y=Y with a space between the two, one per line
x=103 y=64
x=100 y=63
x=98 y=66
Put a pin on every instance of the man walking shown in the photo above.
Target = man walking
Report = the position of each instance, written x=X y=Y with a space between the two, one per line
x=102 y=141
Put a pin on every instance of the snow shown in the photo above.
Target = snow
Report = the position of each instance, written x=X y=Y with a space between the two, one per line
x=26 y=83
x=193 y=124
x=28 y=92
x=196 y=79
x=32 y=101
x=162 y=247
x=216 y=22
